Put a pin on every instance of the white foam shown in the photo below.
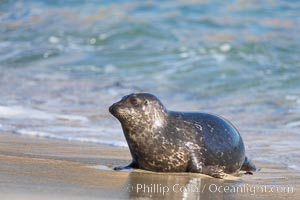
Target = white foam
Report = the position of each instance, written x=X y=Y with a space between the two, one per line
x=35 y=133
x=69 y=138
x=8 y=111
x=72 y=118
x=184 y=55
x=18 y=112
x=293 y=124
x=101 y=167
x=295 y=167
x=53 y=40
x=225 y=47
x=291 y=97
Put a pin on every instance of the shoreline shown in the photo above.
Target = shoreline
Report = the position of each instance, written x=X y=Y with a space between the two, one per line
x=40 y=168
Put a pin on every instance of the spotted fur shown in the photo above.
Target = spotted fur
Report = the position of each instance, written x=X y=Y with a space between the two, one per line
x=167 y=141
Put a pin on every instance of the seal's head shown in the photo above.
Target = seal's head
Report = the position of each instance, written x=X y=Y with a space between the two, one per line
x=139 y=108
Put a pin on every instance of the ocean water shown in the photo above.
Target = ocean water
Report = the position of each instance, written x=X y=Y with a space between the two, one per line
x=63 y=63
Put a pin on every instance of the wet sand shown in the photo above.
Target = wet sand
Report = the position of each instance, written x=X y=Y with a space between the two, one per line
x=39 y=168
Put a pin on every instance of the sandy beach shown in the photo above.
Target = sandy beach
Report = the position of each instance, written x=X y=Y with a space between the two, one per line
x=39 y=168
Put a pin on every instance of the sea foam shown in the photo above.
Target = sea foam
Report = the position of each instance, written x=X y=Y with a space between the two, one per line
x=69 y=138
x=19 y=112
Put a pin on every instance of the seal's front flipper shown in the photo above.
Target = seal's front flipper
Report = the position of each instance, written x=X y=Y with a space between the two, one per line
x=196 y=165
x=248 y=166
x=214 y=171
x=130 y=166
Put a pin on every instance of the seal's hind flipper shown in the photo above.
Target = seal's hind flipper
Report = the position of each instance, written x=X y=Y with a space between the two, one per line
x=248 y=166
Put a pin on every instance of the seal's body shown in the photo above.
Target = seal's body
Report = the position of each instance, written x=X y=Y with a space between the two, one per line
x=167 y=141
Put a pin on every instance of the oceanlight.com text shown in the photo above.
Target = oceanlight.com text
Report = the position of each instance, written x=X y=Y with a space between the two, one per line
x=212 y=188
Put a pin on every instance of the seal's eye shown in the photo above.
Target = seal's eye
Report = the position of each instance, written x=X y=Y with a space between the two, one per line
x=134 y=101
x=146 y=102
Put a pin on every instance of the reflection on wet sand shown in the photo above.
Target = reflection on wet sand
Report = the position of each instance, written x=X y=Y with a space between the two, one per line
x=171 y=186
x=195 y=186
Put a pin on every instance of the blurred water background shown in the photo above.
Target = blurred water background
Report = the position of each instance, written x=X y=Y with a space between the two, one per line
x=63 y=63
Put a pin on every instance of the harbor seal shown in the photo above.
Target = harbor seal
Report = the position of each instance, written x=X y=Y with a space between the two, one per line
x=160 y=140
